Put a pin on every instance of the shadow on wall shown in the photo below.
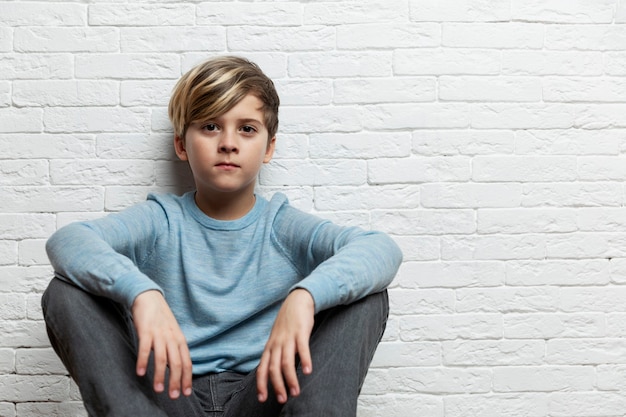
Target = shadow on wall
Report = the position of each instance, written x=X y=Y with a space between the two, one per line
x=173 y=175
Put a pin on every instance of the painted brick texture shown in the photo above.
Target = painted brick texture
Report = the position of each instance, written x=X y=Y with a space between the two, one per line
x=488 y=137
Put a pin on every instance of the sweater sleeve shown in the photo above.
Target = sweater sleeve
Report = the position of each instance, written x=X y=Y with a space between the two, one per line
x=102 y=256
x=340 y=264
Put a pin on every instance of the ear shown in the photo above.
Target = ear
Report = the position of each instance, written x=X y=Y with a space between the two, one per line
x=269 y=152
x=179 y=147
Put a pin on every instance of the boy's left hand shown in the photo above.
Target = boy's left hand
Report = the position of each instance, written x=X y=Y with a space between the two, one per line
x=290 y=336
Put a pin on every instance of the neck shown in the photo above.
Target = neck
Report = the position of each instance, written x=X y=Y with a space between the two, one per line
x=225 y=206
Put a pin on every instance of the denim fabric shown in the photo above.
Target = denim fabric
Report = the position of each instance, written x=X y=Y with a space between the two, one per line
x=95 y=339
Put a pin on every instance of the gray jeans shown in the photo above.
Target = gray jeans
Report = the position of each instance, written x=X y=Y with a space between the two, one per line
x=96 y=340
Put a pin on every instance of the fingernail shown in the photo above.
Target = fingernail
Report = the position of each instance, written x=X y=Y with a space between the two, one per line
x=281 y=399
x=188 y=392
x=293 y=392
x=158 y=387
x=307 y=370
x=175 y=394
x=261 y=398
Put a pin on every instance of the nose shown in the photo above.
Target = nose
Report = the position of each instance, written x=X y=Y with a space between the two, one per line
x=228 y=143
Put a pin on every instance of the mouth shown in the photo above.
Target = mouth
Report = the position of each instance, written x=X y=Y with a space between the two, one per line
x=227 y=165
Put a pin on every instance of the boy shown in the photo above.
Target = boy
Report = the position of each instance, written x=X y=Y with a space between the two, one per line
x=218 y=302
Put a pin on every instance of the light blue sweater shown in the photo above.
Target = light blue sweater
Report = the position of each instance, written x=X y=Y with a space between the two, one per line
x=224 y=280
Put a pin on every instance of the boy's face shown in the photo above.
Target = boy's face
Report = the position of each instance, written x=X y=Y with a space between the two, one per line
x=226 y=154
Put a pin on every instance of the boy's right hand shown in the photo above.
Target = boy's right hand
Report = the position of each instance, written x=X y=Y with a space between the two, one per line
x=158 y=331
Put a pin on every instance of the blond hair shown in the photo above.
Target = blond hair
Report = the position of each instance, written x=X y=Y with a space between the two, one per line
x=215 y=86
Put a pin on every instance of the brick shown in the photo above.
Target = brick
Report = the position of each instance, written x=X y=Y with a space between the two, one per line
x=172 y=39
x=96 y=119
x=343 y=13
x=615 y=63
x=459 y=11
x=273 y=64
x=137 y=146
x=494 y=405
x=340 y=64
x=586 y=37
x=424 y=301
x=558 y=272
x=316 y=119
x=451 y=327
x=522 y=116
x=563 y=11
x=5 y=94
x=417 y=116
x=174 y=174
x=493 y=352
x=23 y=172
x=19 y=333
x=586 y=245
x=43 y=14
x=493 y=35
x=20 y=120
x=40 y=361
x=312 y=173
x=592 y=299
x=64 y=409
x=470 y=195
x=617 y=270
x=418 y=170
x=586 y=351
x=450 y=274
x=283 y=39
x=242 y=14
x=584 y=89
x=366 y=198
x=33 y=307
x=26 y=226
x=568 y=142
x=40 y=199
x=123 y=196
x=7 y=409
x=501 y=89
x=378 y=36
x=407 y=354
x=6 y=39
x=620 y=15
x=159 y=122
x=103 y=172
x=65 y=218
x=586 y=404
x=376 y=405
x=544 y=379
x=494 y=247
x=525 y=62
x=601 y=168
x=44 y=146
x=385 y=90
x=585 y=194
x=291 y=146
x=463 y=142
x=438 y=380
x=8 y=252
x=7 y=361
x=66 y=39
x=600 y=116
x=611 y=377
x=142 y=14
x=362 y=145
x=507 y=300
x=347 y=218
x=419 y=248
x=304 y=92
x=32 y=252
x=18 y=279
x=554 y=325
x=527 y=220
x=602 y=219
x=128 y=66
x=439 y=61
x=427 y=222
x=33 y=388
x=524 y=168
x=35 y=66
x=65 y=93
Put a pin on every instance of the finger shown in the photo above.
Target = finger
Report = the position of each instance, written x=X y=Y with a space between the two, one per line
x=261 y=377
x=306 y=363
x=143 y=355
x=174 y=361
x=276 y=375
x=160 y=362
x=187 y=368
x=288 y=365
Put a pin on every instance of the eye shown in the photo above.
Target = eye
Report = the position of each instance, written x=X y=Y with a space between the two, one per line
x=248 y=129
x=211 y=127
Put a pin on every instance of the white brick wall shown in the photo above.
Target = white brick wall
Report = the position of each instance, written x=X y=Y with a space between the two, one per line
x=487 y=136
